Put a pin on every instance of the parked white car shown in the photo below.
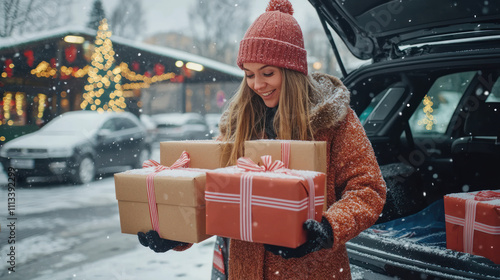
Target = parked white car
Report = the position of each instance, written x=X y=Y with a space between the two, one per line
x=76 y=146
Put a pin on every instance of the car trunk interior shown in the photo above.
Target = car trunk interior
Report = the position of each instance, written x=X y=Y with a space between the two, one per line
x=434 y=132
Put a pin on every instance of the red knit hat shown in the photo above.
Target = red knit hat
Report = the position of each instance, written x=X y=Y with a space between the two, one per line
x=275 y=38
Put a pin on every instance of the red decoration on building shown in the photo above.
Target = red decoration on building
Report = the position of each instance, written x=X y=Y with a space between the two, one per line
x=53 y=62
x=8 y=70
x=135 y=66
x=177 y=79
x=186 y=72
x=148 y=74
x=159 y=69
x=30 y=58
x=70 y=53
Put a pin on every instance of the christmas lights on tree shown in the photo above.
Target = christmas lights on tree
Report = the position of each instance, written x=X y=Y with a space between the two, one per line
x=428 y=120
x=103 y=91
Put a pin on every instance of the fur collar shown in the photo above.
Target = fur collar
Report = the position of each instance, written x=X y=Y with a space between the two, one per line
x=330 y=101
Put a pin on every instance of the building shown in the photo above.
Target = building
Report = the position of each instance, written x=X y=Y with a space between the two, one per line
x=46 y=74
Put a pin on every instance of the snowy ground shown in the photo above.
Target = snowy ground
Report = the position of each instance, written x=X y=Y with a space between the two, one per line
x=142 y=263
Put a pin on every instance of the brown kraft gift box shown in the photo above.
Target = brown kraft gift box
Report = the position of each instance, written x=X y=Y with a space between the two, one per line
x=302 y=155
x=180 y=202
x=206 y=154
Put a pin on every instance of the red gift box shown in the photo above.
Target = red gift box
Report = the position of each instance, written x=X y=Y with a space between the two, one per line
x=473 y=223
x=264 y=204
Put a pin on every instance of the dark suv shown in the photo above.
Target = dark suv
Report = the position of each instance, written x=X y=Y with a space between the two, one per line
x=429 y=101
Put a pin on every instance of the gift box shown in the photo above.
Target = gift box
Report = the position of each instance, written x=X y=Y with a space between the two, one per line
x=473 y=223
x=266 y=205
x=170 y=201
x=207 y=154
x=298 y=155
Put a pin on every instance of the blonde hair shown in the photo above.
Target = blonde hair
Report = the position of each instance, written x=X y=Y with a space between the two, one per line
x=245 y=115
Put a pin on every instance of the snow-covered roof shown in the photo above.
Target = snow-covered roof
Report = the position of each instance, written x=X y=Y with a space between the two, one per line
x=10 y=42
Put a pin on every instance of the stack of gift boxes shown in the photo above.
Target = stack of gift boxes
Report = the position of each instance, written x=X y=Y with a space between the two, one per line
x=277 y=185
x=191 y=194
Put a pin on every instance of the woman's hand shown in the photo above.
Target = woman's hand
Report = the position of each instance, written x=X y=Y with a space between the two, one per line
x=319 y=236
x=153 y=240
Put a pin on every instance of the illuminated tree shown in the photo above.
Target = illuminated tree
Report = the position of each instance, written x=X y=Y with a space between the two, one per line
x=103 y=91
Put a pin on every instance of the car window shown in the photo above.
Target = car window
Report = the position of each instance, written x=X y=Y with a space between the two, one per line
x=436 y=109
x=382 y=104
x=194 y=121
x=110 y=124
x=494 y=95
x=123 y=123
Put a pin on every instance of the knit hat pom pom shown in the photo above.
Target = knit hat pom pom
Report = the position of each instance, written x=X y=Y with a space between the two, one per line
x=283 y=6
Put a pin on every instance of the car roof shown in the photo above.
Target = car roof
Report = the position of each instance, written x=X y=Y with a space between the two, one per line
x=99 y=117
x=372 y=28
x=176 y=118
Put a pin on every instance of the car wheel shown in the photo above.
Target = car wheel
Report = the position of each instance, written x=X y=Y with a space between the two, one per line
x=21 y=180
x=85 y=173
x=144 y=155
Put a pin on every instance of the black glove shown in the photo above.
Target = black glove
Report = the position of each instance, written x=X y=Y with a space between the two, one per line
x=319 y=236
x=153 y=240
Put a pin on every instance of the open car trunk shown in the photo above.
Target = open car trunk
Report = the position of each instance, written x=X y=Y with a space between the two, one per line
x=430 y=105
x=456 y=153
x=414 y=247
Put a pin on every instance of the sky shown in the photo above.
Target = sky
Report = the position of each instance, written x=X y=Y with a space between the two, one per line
x=174 y=13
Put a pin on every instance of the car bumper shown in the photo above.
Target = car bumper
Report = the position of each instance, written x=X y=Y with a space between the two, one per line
x=34 y=167
x=391 y=259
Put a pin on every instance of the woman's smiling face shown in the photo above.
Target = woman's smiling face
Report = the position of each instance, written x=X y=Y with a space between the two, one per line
x=265 y=80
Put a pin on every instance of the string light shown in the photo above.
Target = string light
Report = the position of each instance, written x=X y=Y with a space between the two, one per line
x=19 y=104
x=7 y=99
x=138 y=81
x=41 y=105
x=103 y=91
x=428 y=120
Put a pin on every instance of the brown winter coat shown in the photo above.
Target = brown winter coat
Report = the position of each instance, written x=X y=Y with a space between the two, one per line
x=355 y=189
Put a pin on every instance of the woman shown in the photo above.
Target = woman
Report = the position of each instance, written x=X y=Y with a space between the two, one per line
x=278 y=100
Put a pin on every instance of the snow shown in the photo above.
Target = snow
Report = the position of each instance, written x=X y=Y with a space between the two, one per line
x=98 y=193
x=142 y=263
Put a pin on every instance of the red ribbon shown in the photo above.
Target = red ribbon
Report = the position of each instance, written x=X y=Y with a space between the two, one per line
x=246 y=186
x=267 y=164
x=182 y=162
x=285 y=153
x=469 y=221
x=487 y=195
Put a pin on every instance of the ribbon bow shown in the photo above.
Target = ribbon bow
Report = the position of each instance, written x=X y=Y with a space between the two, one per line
x=487 y=195
x=267 y=164
x=183 y=161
